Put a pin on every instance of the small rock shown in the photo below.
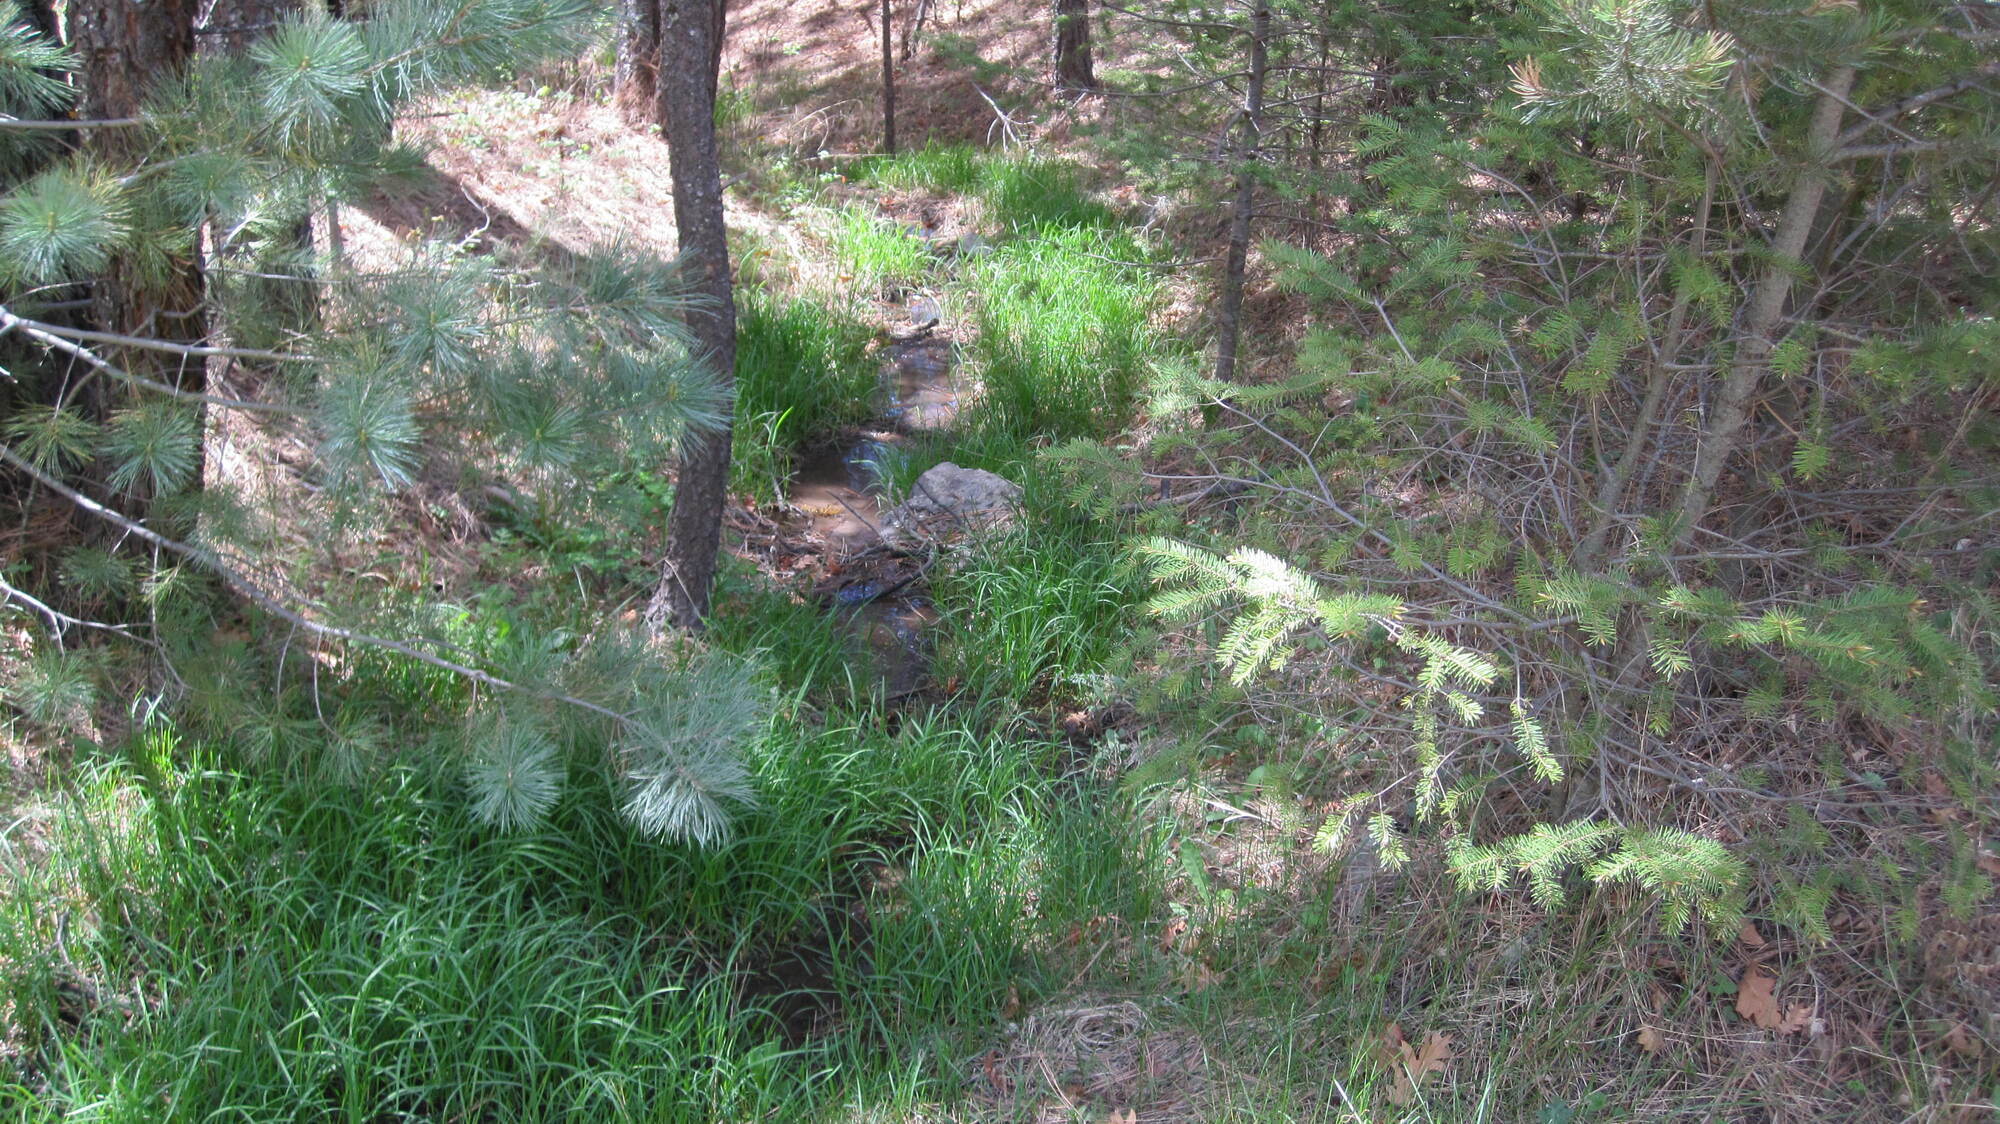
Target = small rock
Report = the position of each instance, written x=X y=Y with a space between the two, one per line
x=970 y=245
x=949 y=502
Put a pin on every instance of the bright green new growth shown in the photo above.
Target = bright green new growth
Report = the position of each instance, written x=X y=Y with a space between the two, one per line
x=1268 y=603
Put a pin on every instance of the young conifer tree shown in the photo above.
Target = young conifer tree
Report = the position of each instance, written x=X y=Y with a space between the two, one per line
x=1650 y=370
x=562 y=374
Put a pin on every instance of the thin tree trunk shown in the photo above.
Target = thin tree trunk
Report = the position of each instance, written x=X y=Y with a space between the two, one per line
x=689 y=33
x=1074 y=72
x=635 y=73
x=1229 y=318
x=1720 y=437
x=1659 y=375
x=888 y=86
x=915 y=28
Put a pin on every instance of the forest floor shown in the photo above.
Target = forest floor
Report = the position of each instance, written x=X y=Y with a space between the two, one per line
x=1016 y=915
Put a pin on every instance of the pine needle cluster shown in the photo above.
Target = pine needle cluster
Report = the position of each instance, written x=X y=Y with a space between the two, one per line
x=392 y=373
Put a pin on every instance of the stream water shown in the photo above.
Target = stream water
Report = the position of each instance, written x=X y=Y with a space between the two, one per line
x=876 y=591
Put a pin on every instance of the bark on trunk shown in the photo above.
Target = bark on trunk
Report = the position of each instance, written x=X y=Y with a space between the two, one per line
x=232 y=26
x=1721 y=435
x=689 y=33
x=1073 y=69
x=635 y=74
x=1229 y=318
x=125 y=49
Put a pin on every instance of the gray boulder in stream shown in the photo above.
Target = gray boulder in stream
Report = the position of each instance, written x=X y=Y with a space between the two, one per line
x=949 y=502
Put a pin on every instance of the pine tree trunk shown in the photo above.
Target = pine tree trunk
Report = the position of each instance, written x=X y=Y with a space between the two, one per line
x=690 y=31
x=232 y=26
x=1073 y=69
x=635 y=75
x=1229 y=318
x=888 y=87
x=124 y=49
x=1721 y=435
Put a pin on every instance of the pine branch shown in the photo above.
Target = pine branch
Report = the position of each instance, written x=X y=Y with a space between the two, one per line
x=43 y=334
x=630 y=721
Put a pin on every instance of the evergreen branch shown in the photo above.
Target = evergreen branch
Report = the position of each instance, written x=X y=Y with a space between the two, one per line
x=39 y=332
x=1883 y=151
x=629 y=721
x=1880 y=118
x=144 y=343
x=60 y=621
x=27 y=125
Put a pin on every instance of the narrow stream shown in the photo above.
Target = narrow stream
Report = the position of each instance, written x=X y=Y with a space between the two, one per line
x=877 y=591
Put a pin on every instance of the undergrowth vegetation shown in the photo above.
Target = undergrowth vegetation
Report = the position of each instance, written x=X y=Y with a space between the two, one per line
x=1417 y=725
x=803 y=373
x=1065 y=332
x=1038 y=618
x=191 y=925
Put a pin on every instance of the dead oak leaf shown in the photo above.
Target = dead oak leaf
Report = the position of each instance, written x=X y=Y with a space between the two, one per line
x=1651 y=1040
x=1409 y=1064
x=1011 y=1009
x=1197 y=976
x=1757 y=998
x=1749 y=936
x=1959 y=1040
x=1798 y=1017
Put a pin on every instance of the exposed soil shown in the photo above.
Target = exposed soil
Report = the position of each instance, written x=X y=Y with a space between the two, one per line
x=815 y=69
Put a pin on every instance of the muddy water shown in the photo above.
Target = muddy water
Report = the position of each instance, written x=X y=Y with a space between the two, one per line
x=879 y=594
x=836 y=489
x=921 y=391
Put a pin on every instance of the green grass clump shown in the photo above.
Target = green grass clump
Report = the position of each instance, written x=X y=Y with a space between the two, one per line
x=1036 y=193
x=938 y=167
x=243 y=948
x=1039 y=616
x=802 y=374
x=1063 y=334
x=1021 y=192
x=804 y=361
x=879 y=255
